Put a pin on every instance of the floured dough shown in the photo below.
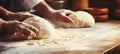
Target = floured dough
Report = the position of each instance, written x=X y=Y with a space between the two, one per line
x=45 y=28
x=80 y=19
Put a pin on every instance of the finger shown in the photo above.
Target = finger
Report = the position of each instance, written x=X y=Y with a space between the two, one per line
x=66 y=19
x=31 y=35
x=23 y=32
x=35 y=30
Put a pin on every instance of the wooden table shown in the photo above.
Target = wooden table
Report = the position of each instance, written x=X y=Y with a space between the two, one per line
x=99 y=39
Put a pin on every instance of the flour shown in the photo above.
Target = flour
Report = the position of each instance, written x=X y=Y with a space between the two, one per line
x=62 y=39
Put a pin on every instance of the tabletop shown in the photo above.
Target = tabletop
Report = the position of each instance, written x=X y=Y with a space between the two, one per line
x=99 y=39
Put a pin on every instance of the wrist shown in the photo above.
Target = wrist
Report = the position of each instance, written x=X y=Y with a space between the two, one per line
x=49 y=13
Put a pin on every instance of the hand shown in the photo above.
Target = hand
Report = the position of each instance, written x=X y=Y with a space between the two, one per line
x=15 y=30
x=53 y=15
x=20 y=16
x=60 y=16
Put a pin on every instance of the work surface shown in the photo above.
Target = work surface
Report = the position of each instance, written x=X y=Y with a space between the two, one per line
x=96 y=40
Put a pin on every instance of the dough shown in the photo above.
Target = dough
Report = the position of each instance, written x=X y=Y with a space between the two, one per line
x=45 y=28
x=80 y=19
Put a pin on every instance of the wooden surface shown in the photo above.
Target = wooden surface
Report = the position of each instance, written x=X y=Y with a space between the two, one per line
x=96 y=40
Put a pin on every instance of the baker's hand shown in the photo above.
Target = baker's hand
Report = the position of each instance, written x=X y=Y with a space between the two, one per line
x=15 y=30
x=60 y=16
x=20 y=16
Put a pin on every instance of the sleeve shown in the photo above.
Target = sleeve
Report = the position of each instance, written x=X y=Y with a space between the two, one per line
x=29 y=4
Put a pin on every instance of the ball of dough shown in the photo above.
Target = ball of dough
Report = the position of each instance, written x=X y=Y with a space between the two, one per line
x=80 y=19
x=45 y=28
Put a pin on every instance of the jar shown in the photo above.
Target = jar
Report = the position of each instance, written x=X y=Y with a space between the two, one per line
x=58 y=4
x=79 y=4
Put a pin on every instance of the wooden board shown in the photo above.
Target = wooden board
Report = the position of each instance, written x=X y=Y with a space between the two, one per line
x=96 y=40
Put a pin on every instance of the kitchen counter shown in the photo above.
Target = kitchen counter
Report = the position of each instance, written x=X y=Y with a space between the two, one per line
x=99 y=39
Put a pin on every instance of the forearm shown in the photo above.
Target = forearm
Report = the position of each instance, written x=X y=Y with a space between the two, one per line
x=43 y=9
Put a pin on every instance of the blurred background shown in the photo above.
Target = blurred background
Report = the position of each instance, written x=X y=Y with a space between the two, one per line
x=102 y=10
